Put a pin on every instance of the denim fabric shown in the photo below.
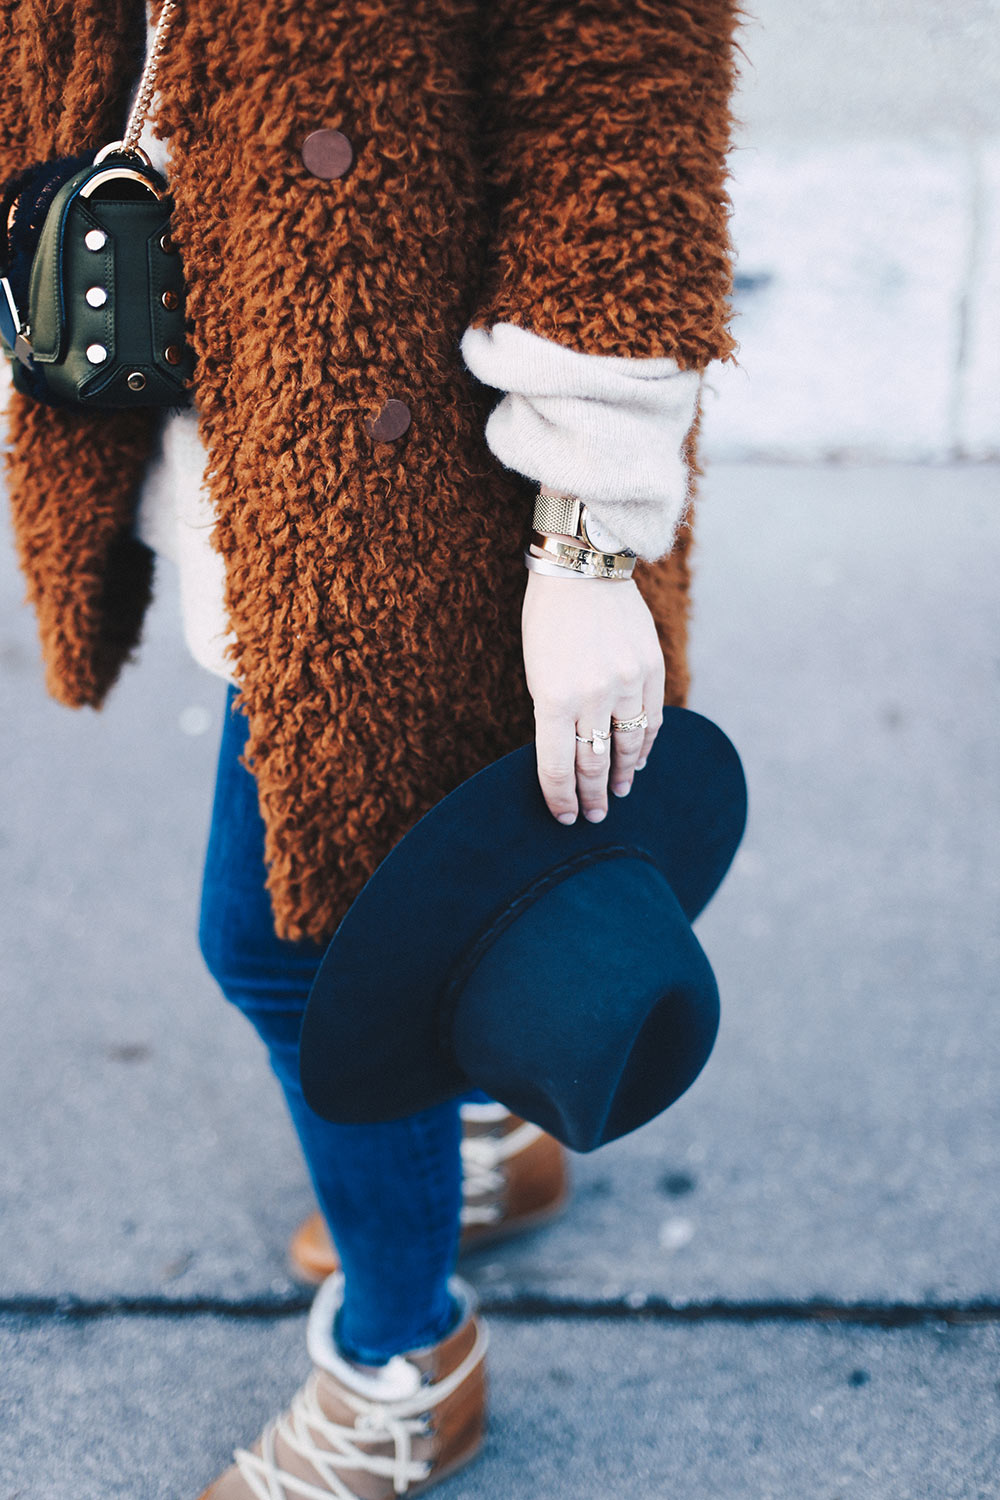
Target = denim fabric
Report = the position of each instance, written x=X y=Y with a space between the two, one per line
x=390 y=1193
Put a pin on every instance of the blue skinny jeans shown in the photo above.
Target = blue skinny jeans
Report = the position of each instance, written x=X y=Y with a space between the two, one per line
x=391 y=1193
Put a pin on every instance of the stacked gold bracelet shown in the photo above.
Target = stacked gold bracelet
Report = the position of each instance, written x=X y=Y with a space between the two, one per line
x=560 y=553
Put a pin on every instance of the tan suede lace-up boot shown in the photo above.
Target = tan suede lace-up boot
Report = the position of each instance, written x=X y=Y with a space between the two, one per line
x=362 y=1433
x=515 y=1177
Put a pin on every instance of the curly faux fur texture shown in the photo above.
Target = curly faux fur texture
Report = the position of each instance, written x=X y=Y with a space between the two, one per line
x=72 y=476
x=559 y=166
x=606 y=127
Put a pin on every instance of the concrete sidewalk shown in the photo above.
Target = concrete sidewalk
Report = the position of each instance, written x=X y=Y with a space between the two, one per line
x=786 y=1287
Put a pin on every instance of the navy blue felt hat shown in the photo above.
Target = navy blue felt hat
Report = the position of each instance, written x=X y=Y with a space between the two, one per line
x=554 y=967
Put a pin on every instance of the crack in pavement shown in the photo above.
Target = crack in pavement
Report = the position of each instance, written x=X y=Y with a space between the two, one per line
x=637 y=1306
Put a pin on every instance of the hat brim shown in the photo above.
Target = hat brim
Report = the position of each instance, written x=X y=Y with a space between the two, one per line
x=370 y=1046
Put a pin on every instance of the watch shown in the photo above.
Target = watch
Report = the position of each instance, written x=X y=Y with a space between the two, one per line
x=565 y=515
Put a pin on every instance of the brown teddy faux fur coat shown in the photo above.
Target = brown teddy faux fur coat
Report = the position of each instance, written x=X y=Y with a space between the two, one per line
x=559 y=166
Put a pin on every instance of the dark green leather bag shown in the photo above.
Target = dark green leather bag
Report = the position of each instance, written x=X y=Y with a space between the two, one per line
x=91 y=284
x=102 y=324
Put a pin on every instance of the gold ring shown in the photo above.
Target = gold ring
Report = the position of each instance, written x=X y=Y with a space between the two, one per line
x=623 y=726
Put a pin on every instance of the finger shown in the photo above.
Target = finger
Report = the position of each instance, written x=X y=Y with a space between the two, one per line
x=556 y=761
x=593 y=764
x=653 y=703
x=627 y=745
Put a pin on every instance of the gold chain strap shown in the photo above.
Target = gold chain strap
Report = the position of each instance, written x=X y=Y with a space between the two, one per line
x=147 y=82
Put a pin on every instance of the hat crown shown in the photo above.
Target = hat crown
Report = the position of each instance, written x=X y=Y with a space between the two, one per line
x=588 y=1004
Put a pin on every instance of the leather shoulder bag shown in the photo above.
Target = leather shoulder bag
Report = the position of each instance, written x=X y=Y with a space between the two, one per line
x=91 y=282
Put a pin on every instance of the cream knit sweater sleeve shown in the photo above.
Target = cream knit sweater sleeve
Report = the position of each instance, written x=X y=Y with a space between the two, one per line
x=606 y=429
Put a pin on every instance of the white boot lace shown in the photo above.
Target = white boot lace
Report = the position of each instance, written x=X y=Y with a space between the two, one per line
x=482 y=1176
x=332 y=1448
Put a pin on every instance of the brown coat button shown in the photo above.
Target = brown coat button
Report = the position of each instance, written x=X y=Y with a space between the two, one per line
x=327 y=153
x=391 y=422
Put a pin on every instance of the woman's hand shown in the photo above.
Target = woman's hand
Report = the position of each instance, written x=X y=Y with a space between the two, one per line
x=590 y=651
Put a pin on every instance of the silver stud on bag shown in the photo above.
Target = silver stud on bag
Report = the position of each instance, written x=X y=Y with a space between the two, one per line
x=95 y=239
x=96 y=353
x=136 y=381
x=96 y=296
